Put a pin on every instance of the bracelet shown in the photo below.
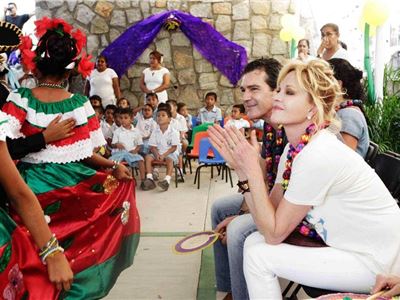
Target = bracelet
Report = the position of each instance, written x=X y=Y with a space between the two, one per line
x=49 y=244
x=51 y=253
x=153 y=91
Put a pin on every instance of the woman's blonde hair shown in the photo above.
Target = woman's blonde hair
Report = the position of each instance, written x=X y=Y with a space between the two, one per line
x=317 y=79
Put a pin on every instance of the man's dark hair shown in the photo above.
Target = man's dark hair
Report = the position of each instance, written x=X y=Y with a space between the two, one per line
x=270 y=66
x=12 y=3
x=240 y=107
x=212 y=94
x=164 y=107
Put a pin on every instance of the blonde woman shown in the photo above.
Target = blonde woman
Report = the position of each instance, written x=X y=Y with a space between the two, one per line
x=323 y=185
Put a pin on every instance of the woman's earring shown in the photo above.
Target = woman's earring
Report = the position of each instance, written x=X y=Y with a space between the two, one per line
x=308 y=117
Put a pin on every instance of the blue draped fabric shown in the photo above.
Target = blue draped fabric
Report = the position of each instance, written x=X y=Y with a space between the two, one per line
x=229 y=58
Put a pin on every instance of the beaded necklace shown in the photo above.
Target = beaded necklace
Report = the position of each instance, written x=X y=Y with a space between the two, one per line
x=305 y=228
x=271 y=149
x=349 y=103
x=51 y=85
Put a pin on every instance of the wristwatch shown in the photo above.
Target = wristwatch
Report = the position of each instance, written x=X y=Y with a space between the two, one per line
x=244 y=186
x=115 y=166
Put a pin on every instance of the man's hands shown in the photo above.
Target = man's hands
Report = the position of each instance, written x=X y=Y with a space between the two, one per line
x=58 y=130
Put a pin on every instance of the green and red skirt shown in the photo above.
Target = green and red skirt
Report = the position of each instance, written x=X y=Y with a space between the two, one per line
x=95 y=220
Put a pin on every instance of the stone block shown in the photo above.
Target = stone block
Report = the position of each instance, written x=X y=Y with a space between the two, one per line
x=260 y=7
x=104 y=8
x=174 y=5
x=135 y=71
x=145 y=6
x=208 y=81
x=246 y=44
x=125 y=83
x=64 y=14
x=114 y=34
x=133 y=15
x=202 y=10
x=161 y=3
x=92 y=43
x=84 y=14
x=223 y=23
x=203 y=66
x=224 y=8
x=188 y=95
x=132 y=98
x=144 y=58
x=179 y=39
x=196 y=54
x=258 y=23
x=135 y=3
x=104 y=40
x=164 y=47
x=278 y=47
x=71 y=4
x=136 y=85
x=242 y=30
x=182 y=58
x=261 y=44
x=280 y=6
x=118 y=18
x=122 y=3
x=275 y=22
x=89 y=3
x=186 y=76
x=98 y=25
x=227 y=98
x=54 y=4
x=241 y=11
x=209 y=21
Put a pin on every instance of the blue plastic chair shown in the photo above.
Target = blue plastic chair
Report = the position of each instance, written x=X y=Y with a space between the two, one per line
x=206 y=161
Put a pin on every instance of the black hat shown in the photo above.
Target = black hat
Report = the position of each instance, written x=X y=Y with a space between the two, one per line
x=9 y=36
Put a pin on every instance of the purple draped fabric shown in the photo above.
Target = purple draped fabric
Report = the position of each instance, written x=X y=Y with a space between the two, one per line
x=229 y=58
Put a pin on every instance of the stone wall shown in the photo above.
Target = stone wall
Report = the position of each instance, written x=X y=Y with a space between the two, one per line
x=254 y=24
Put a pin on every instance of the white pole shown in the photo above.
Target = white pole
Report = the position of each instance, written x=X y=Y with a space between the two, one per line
x=381 y=47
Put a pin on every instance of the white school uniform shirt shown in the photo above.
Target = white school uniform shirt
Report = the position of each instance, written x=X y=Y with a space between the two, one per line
x=145 y=126
x=179 y=123
x=352 y=210
x=107 y=129
x=239 y=124
x=164 y=141
x=130 y=138
x=211 y=116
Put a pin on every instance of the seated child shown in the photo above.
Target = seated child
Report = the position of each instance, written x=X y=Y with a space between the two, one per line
x=123 y=103
x=127 y=142
x=117 y=117
x=178 y=122
x=95 y=100
x=163 y=144
x=146 y=125
x=237 y=120
x=209 y=113
x=182 y=110
x=107 y=123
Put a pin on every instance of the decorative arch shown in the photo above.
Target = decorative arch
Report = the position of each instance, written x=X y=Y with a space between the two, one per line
x=229 y=58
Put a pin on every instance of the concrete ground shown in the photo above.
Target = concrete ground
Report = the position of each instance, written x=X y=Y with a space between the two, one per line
x=166 y=217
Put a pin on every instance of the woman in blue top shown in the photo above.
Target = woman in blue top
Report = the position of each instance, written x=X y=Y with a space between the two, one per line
x=354 y=130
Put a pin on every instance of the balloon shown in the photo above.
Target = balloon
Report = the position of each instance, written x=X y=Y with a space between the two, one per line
x=375 y=12
x=299 y=33
x=285 y=35
x=288 y=21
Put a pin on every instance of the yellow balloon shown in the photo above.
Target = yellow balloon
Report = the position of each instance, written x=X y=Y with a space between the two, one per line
x=375 y=12
x=288 y=21
x=299 y=33
x=285 y=35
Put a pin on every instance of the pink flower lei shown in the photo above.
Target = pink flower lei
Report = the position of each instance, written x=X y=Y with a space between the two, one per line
x=29 y=58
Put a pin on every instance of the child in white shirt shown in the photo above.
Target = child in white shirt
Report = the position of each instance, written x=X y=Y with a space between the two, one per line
x=127 y=142
x=237 y=120
x=163 y=144
x=146 y=125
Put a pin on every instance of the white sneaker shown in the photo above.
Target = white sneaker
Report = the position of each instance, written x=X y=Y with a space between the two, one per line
x=156 y=174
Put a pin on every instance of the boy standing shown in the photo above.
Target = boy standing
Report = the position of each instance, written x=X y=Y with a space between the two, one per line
x=127 y=142
x=210 y=113
x=163 y=144
x=107 y=124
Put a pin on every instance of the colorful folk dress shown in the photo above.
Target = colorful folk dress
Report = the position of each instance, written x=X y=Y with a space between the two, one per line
x=92 y=214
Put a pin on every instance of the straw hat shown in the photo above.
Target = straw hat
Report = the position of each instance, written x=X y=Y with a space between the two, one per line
x=9 y=36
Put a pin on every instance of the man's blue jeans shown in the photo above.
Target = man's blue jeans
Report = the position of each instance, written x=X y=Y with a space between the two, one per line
x=229 y=258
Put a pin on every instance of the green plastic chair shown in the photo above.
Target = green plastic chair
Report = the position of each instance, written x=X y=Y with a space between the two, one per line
x=199 y=128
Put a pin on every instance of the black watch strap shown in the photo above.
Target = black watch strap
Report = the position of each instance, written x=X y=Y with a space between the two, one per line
x=244 y=186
